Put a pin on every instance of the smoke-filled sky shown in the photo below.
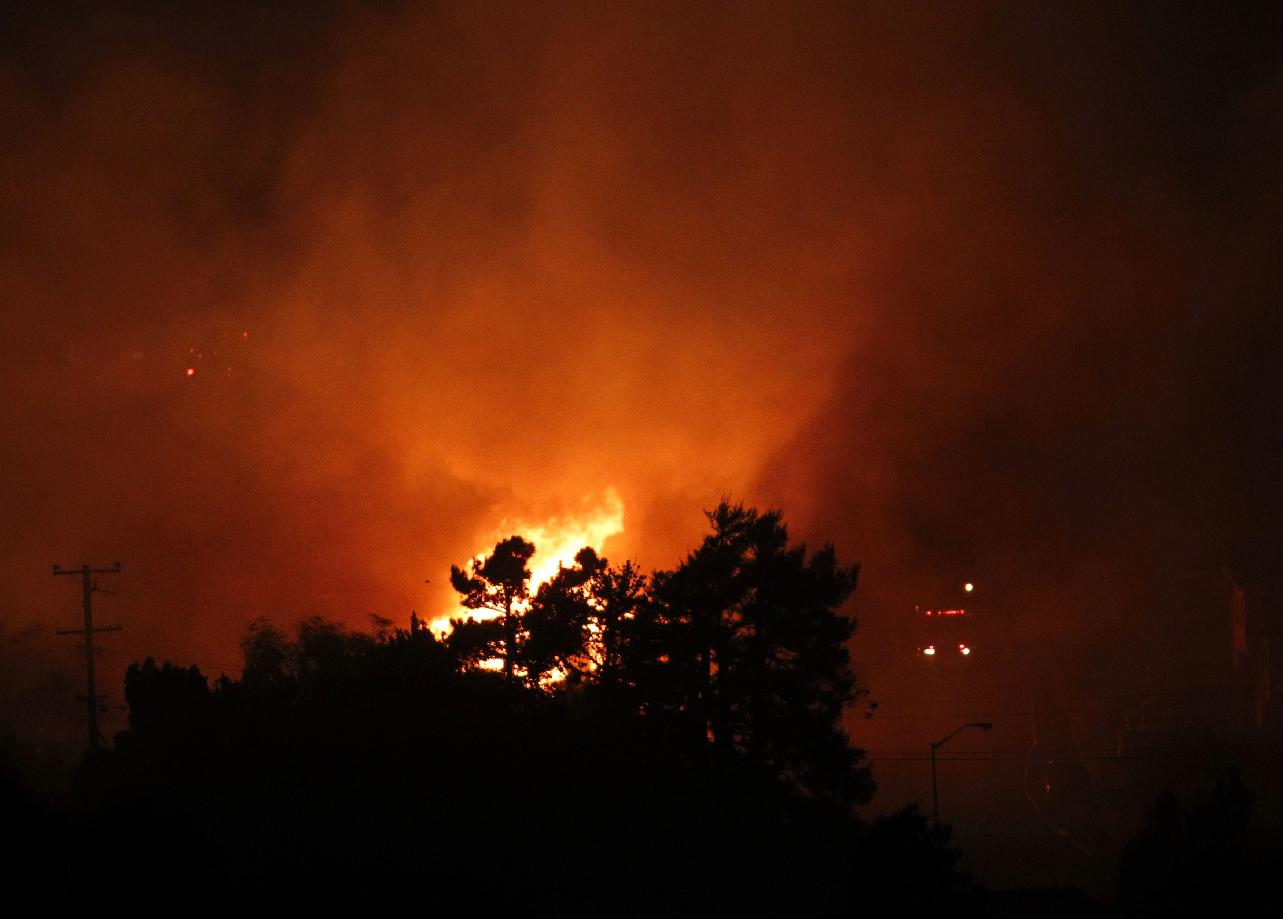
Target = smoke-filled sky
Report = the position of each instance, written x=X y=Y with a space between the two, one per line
x=982 y=290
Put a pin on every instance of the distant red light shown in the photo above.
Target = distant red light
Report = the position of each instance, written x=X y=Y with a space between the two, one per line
x=189 y=372
x=946 y=612
x=929 y=650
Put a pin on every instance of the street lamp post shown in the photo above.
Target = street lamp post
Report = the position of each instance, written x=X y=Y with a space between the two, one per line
x=935 y=786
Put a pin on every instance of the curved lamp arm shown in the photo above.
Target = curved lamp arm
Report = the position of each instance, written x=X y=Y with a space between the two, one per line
x=983 y=725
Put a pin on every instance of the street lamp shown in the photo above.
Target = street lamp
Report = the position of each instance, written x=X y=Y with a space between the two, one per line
x=935 y=787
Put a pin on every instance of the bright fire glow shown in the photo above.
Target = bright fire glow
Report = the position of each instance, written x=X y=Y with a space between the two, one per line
x=556 y=540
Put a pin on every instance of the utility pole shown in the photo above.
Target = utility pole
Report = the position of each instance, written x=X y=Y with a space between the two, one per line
x=91 y=695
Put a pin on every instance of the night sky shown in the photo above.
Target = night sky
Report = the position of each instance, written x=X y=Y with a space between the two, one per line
x=985 y=291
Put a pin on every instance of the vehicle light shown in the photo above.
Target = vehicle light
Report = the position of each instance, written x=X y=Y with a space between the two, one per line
x=929 y=650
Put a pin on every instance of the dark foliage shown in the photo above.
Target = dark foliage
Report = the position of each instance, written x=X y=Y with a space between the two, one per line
x=500 y=583
x=1198 y=859
x=31 y=829
x=688 y=760
x=747 y=643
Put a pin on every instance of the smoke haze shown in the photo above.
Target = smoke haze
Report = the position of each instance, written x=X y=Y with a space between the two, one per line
x=985 y=291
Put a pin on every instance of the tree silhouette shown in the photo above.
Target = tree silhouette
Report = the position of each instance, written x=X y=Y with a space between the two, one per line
x=746 y=642
x=620 y=594
x=581 y=621
x=267 y=653
x=165 y=700
x=690 y=761
x=1196 y=859
x=559 y=624
x=498 y=582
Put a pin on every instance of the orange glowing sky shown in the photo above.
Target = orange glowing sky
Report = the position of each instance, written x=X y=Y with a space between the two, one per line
x=936 y=281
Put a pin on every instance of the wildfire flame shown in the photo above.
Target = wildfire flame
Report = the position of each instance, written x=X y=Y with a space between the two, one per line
x=556 y=540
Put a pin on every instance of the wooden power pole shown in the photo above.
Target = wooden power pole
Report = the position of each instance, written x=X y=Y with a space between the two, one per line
x=91 y=694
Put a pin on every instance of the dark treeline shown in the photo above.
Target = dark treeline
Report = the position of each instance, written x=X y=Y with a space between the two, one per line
x=613 y=742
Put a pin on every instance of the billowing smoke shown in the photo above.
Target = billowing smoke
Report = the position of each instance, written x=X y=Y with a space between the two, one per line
x=986 y=292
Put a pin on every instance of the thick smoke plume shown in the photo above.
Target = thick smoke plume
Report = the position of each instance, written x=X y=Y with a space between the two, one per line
x=988 y=291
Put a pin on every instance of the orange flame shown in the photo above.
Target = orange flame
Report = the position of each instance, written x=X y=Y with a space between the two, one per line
x=556 y=540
